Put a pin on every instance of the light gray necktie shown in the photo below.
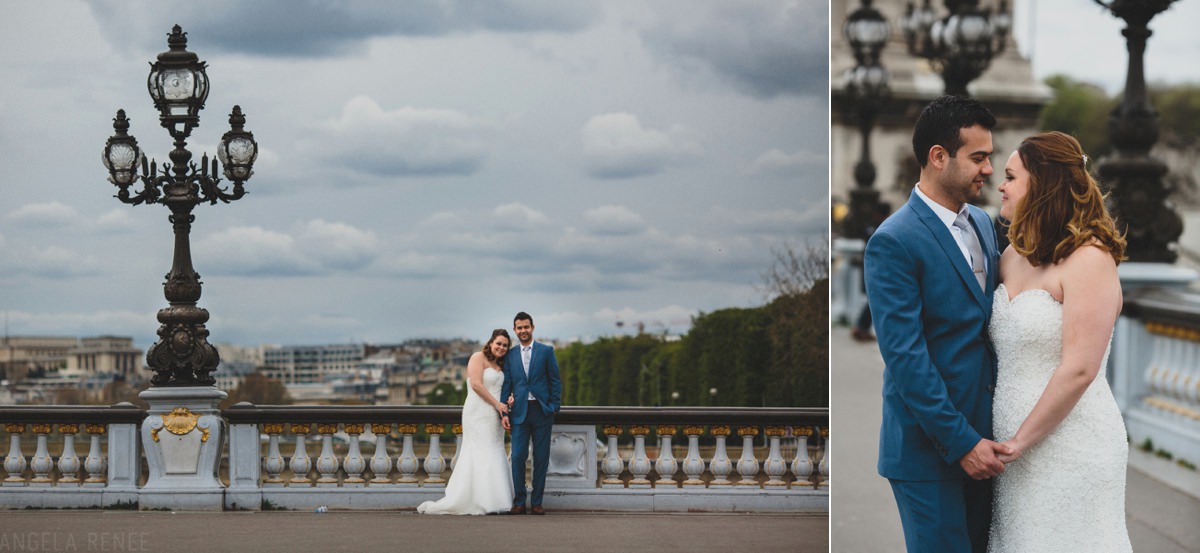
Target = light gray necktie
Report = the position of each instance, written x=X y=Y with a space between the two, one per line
x=971 y=240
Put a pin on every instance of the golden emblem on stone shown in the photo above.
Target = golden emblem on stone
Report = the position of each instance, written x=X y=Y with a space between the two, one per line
x=179 y=422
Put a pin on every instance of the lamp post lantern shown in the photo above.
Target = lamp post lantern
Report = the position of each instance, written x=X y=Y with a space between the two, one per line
x=960 y=45
x=867 y=32
x=178 y=84
x=1133 y=178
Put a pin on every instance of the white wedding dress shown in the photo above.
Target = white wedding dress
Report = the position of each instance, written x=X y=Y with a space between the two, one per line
x=1067 y=493
x=481 y=481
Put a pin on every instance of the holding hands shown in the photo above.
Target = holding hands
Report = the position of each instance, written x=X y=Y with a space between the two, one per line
x=503 y=410
x=987 y=459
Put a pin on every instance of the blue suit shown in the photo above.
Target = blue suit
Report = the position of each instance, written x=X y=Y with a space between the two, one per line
x=531 y=418
x=931 y=318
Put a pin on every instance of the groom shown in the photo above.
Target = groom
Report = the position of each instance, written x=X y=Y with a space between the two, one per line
x=930 y=272
x=531 y=376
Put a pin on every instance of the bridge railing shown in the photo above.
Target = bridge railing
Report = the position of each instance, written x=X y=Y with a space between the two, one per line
x=385 y=457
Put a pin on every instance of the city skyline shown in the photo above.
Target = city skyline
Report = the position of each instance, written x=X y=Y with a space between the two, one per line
x=426 y=169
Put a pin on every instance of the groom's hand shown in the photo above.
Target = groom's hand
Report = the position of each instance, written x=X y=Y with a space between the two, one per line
x=981 y=462
x=511 y=401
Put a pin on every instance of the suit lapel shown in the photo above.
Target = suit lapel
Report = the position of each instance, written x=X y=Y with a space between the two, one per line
x=533 y=355
x=950 y=248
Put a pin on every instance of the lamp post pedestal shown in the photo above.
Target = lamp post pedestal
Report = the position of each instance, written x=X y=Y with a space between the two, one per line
x=183 y=436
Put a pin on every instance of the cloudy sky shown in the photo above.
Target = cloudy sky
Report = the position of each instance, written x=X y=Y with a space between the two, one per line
x=1081 y=39
x=427 y=168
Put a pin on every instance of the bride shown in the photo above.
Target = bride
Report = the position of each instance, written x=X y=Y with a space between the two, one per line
x=481 y=482
x=1052 y=320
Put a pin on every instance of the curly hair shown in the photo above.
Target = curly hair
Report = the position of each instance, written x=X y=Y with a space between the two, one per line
x=1063 y=208
x=487 y=348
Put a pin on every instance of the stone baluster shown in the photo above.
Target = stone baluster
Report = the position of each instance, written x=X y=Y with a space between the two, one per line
x=41 y=464
x=300 y=464
x=666 y=465
x=613 y=465
x=408 y=463
x=14 y=463
x=457 y=429
x=327 y=463
x=693 y=464
x=775 y=466
x=824 y=466
x=748 y=464
x=802 y=466
x=273 y=464
x=720 y=466
x=95 y=464
x=435 y=464
x=381 y=462
x=639 y=465
x=354 y=464
x=68 y=462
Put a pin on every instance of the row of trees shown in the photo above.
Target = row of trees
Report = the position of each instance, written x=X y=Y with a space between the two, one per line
x=773 y=355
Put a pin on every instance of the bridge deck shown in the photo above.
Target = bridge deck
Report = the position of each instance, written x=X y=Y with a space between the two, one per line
x=290 y=532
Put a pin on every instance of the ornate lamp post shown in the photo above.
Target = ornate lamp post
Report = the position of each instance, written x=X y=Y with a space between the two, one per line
x=183 y=431
x=960 y=45
x=867 y=86
x=1134 y=178
x=179 y=86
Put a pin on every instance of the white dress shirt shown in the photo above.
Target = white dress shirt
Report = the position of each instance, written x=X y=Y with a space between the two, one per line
x=526 y=354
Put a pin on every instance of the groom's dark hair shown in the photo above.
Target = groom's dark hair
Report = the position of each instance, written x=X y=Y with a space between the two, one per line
x=523 y=316
x=940 y=122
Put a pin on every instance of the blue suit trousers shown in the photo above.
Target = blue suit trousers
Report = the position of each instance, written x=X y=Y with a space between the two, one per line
x=537 y=424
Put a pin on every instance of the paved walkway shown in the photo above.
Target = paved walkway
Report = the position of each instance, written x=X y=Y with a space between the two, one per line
x=293 y=532
x=863 y=511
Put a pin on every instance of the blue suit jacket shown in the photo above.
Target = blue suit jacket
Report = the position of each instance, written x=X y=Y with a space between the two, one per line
x=543 y=381
x=931 y=319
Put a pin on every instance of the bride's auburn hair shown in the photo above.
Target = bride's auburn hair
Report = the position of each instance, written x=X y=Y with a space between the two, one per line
x=1063 y=208
x=487 y=348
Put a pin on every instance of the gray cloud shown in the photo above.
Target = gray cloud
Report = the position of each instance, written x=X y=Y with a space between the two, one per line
x=315 y=28
x=402 y=142
x=617 y=146
x=765 y=49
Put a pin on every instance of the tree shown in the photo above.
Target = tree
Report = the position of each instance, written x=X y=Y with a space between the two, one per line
x=447 y=393
x=1080 y=110
x=258 y=389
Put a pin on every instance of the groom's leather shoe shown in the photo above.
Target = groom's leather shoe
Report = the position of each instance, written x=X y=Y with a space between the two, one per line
x=518 y=510
x=537 y=510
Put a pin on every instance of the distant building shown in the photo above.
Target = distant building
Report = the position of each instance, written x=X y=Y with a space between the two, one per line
x=311 y=364
x=236 y=363
x=22 y=355
x=101 y=355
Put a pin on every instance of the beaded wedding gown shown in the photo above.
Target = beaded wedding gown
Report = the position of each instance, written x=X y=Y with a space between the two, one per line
x=481 y=481
x=1067 y=493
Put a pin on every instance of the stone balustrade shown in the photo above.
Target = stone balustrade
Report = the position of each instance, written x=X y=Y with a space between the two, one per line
x=97 y=465
x=303 y=457
x=1155 y=370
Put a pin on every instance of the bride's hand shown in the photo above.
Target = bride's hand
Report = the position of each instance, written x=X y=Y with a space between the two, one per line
x=502 y=408
x=1016 y=453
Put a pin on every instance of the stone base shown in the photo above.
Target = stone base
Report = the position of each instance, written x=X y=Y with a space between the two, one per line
x=243 y=501
x=183 y=436
x=181 y=500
